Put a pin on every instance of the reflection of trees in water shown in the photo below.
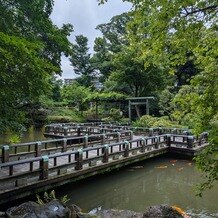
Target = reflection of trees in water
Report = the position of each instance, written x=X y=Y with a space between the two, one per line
x=136 y=188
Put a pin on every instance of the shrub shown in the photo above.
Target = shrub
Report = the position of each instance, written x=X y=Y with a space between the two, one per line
x=64 y=115
x=149 y=121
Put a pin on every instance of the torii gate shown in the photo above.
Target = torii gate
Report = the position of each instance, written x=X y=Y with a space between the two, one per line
x=137 y=101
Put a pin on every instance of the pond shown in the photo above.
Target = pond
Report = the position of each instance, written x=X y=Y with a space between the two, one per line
x=162 y=180
x=32 y=134
x=157 y=181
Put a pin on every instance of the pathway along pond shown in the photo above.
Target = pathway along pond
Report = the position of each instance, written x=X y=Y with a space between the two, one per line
x=160 y=180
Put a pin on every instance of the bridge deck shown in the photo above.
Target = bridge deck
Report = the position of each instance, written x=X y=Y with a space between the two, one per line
x=27 y=174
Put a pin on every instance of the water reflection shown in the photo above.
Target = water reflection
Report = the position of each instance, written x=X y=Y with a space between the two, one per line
x=32 y=134
x=135 y=188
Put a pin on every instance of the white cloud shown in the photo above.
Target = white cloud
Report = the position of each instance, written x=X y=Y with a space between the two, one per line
x=84 y=15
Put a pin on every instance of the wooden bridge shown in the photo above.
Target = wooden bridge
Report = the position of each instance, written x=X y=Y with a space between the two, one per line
x=77 y=152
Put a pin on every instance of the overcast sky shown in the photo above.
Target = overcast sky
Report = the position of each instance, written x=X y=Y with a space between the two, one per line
x=84 y=15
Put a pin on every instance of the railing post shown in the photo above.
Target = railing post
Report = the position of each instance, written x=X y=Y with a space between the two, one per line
x=103 y=139
x=118 y=136
x=86 y=141
x=79 y=159
x=65 y=131
x=55 y=130
x=44 y=168
x=142 y=145
x=78 y=131
x=156 y=140
x=131 y=135
x=38 y=149
x=101 y=130
x=174 y=131
x=64 y=143
x=151 y=132
x=5 y=153
x=168 y=140
x=105 y=151
x=126 y=149
x=190 y=141
x=160 y=131
x=88 y=130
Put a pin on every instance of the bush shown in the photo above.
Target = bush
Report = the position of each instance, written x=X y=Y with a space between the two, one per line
x=65 y=115
x=149 y=121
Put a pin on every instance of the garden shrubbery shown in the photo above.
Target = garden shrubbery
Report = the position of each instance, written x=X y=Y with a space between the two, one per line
x=150 y=121
x=64 y=115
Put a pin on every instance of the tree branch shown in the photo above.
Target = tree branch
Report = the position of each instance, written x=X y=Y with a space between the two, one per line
x=211 y=8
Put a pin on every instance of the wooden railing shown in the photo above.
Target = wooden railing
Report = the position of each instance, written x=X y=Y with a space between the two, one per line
x=39 y=148
x=31 y=170
x=64 y=130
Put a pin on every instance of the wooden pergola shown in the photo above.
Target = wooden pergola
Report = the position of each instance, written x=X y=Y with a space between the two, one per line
x=139 y=101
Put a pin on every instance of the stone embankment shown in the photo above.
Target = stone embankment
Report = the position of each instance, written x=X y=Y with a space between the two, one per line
x=55 y=208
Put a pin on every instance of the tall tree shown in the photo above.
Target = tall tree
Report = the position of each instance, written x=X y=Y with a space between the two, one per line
x=30 y=52
x=102 y=58
x=114 y=32
x=112 y=41
x=185 y=26
x=80 y=60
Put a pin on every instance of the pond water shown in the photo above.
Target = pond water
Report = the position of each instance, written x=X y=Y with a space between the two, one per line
x=162 y=180
x=32 y=134
x=152 y=182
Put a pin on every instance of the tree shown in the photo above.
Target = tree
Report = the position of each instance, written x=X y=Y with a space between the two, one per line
x=74 y=94
x=112 y=41
x=114 y=32
x=30 y=53
x=80 y=60
x=184 y=26
x=102 y=58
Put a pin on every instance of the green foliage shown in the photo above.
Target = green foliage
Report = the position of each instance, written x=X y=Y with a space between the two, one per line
x=114 y=115
x=14 y=138
x=130 y=71
x=64 y=115
x=184 y=104
x=149 y=121
x=30 y=53
x=74 y=94
x=80 y=60
x=47 y=197
x=102 y=58
x=165 y=101
x=104 y=96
